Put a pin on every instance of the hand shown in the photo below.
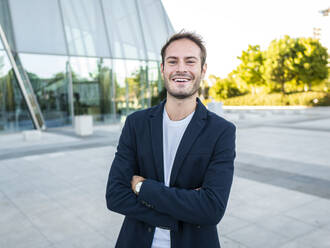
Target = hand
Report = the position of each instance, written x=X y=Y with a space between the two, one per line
x=136 y=179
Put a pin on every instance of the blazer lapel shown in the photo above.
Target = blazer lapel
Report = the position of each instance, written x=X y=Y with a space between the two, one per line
x=194 y=128
x=156 y=124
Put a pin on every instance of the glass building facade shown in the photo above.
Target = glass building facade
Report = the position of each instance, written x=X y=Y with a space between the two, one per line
x=60 y=58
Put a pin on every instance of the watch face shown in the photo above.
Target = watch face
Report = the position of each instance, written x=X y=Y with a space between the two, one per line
x=138 y=186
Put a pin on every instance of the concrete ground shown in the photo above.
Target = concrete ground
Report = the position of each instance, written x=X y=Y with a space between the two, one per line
x=52 y=190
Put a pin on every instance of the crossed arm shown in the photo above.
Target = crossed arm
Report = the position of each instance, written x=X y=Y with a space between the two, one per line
x=163 y=206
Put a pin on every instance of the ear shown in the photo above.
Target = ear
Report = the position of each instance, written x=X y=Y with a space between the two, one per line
x=204 y=70
x=162 y=70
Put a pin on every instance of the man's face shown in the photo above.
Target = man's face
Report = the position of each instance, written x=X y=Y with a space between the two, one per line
x=182 y=70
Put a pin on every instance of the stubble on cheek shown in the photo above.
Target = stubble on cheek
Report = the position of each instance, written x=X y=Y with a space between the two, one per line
x=183 y=91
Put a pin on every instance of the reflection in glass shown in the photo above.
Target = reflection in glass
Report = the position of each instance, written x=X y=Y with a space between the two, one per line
x=107 y=90
x=121 y=94
x=154 y=28
x=157 y=90
x=135 y=88
x=132 y=87
x=123 y=27
x=14 y=114
x=92 y=88
x=137 y=84
x=49 y=81
x=103 y=49
x=36 y=26
x=84 y=28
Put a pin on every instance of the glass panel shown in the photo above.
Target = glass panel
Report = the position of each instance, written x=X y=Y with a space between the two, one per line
x=145 y=84
x=107 y=91
x=29 y=91
x=37 y=26
x=124 y=29
x=136 y=85
x=84 y=28
x=50 y=85
x=14 y=114
x=154 y=25
x=93 y=88
x=5 y=22
x=132 y=90
x=156 y=83
x=121 y=95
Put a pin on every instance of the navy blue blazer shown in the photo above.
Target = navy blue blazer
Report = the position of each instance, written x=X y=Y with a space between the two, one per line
x=204 y=160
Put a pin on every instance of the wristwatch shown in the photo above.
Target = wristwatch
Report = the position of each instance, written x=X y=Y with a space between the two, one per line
x=138 y=187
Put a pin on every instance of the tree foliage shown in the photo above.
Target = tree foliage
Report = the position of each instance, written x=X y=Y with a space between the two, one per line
x=287 y=65
x=251 y=68
x=279 y=62
x=310 y=61
x=224 y=88
x=299 y=60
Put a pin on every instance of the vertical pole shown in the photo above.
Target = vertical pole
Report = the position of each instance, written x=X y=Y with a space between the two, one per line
x=68 y=67
x=146 y=83
x=70 y=91
x=112 y=94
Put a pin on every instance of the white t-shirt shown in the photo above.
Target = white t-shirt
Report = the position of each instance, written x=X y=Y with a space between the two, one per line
x=172 y=135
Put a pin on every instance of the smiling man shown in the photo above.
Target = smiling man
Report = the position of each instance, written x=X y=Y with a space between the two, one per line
x=173 y=169
x=183 y=68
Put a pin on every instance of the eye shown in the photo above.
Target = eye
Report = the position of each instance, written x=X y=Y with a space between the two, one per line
x=190 y=62
x=172 y=62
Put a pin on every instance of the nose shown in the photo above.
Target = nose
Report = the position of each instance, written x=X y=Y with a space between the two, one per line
x=181 y=67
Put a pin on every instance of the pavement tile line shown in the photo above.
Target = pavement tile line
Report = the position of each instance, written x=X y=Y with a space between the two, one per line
x=100 y=138
x=263 y=188
x=28 y=219
x=316 y=118
x=293 y=181
x=54 y=149
x=64 y=208
x=281 y=126
x=317 y=129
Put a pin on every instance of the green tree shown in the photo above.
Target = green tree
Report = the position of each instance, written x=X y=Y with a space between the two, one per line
x=137 y=83
x=251 y=67
x=223 y=88
x=310 y=62
x=280 y=61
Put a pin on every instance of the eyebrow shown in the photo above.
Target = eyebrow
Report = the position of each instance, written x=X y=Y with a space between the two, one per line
x=190 y=57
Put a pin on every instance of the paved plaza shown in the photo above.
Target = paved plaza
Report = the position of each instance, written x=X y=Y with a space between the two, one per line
x=52 y=190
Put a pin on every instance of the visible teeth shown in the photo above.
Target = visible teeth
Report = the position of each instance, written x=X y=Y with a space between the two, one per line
x=181 y=80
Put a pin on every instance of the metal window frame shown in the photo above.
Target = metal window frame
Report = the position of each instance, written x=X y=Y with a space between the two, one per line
x=30 y=99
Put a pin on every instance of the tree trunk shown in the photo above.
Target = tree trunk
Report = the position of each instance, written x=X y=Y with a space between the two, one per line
x=309 y=86
x=283 y=87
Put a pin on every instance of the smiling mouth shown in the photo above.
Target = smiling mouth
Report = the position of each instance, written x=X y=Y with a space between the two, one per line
x=181 y=80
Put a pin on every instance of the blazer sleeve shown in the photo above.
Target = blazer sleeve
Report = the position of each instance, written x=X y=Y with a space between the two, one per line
x=120 y=197
x=207 y=205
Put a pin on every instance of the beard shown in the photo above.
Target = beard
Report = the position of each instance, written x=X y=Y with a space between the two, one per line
x=185 y=93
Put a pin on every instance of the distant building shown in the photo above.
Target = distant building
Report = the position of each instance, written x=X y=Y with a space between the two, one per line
x=72 y=57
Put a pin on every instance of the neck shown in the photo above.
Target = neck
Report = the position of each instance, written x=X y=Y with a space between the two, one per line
x=178 y=109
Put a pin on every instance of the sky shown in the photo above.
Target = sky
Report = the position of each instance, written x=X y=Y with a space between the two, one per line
x=229 y=26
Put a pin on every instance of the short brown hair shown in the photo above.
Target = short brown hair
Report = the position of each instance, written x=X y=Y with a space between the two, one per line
x=197 y=39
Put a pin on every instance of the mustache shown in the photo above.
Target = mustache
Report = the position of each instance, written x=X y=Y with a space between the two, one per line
x=185 y=75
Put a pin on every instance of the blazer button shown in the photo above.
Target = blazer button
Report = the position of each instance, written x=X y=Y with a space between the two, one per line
x=198 y=226
x=149 y=229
